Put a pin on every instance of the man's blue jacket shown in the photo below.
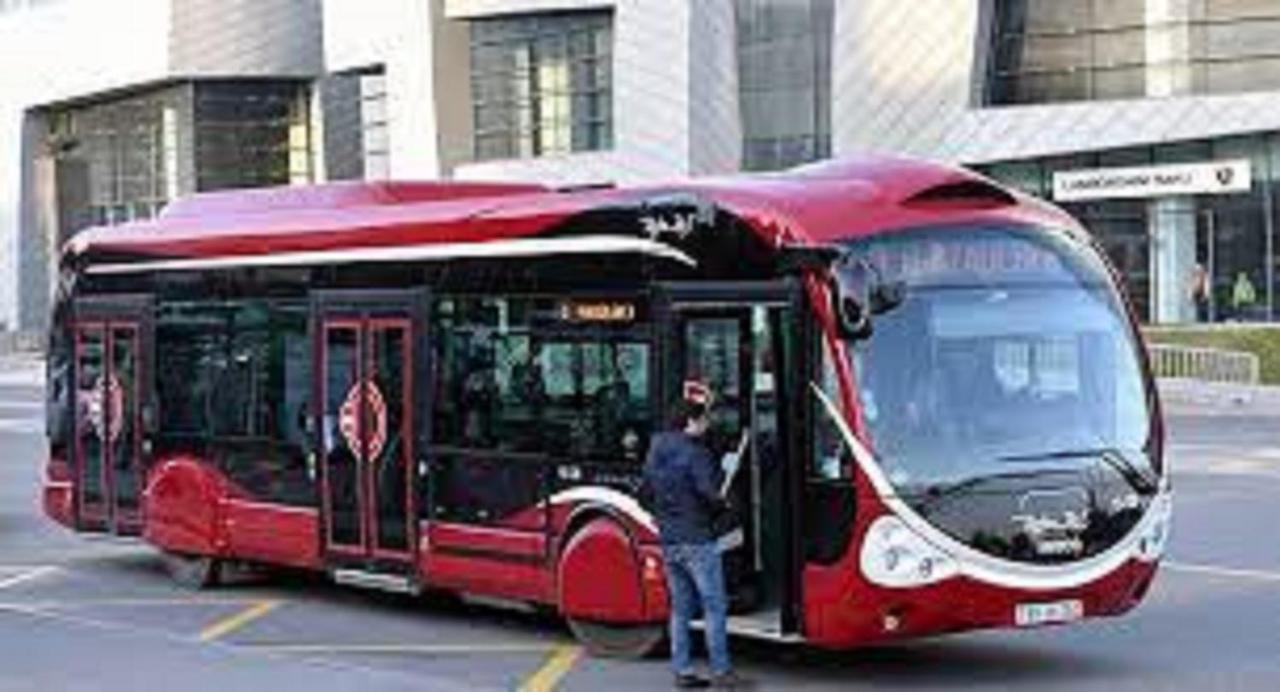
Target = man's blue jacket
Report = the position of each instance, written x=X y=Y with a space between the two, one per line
x=682 y=488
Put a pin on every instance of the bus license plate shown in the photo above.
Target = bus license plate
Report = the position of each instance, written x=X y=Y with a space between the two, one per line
x=1032 y=614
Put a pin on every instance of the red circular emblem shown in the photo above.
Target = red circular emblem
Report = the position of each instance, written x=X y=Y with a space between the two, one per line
x=349 y=420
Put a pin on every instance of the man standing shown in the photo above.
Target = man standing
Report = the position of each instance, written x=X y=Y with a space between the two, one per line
x=683 y=484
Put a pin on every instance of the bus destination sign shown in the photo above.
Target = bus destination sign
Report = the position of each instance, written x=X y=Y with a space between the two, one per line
x=597 y=311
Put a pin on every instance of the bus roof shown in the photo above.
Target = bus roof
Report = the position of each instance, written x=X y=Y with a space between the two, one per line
x=816 y=203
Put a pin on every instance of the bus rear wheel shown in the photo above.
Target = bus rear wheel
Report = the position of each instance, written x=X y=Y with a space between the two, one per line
x=609 y=640
x=192 y=571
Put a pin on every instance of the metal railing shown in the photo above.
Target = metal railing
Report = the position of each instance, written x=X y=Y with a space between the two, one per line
x=1207 y=364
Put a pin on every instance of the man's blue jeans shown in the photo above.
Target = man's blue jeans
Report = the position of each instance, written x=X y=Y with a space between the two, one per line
x=694 y=572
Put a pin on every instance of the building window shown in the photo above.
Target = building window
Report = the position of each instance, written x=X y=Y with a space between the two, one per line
x=1067 y=50
x=117 y=160
x=542 y=84
x=784 y=81
x=252 y=134
x=375 y=142
x=357 y=143
x=1047 y=51
x=1235 y=46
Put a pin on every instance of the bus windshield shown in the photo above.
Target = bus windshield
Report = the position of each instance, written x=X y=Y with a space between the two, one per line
x=1010 y=353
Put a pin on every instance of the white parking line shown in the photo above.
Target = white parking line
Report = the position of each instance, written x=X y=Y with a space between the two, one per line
x=1216 y=571
x=22 y=425
x=24 y=404
x=26 y=575
x=22 y=378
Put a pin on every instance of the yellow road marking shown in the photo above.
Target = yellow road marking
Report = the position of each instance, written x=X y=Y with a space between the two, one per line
x=234 y=622
x=557 y=665
x=303 y=648
x=128 y=602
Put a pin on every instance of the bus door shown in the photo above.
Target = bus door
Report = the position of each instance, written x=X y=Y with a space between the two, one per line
x=112 y=338
x=370 y=359
x=738 y=339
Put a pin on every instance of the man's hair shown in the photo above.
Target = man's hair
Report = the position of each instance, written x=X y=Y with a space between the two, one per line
x=685 y=411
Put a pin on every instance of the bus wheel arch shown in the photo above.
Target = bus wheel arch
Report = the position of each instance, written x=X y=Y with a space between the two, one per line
x=181 y=504
x=599 y=587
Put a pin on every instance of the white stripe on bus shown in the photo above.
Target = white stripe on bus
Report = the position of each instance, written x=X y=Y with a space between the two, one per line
x=608 y=497
x=493 y=249
x=973 y=563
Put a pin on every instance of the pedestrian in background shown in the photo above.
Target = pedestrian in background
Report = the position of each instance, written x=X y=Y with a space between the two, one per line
x=1200 y=287
x=1243 y=296
x=683 y=487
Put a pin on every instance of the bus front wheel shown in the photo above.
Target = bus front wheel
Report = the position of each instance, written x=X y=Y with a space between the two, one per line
x=192 y=571
x=610 y=640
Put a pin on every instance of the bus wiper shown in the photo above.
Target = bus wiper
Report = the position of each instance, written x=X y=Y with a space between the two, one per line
x=1113 y=457
x=937 y=492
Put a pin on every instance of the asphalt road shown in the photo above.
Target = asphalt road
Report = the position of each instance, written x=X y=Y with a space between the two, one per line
x=92 y=614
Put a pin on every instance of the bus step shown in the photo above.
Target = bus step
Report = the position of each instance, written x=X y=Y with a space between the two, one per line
x=394 y=583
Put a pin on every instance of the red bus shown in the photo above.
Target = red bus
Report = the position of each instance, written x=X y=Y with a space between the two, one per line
x=949 y=415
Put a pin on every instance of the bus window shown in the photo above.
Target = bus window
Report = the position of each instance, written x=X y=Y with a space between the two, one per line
x=713 y=349
x=505 y=381
x=831 y=459
x=516 y=390
x=234 y=384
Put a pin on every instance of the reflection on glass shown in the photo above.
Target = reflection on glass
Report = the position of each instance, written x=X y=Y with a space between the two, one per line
x=1010 y=343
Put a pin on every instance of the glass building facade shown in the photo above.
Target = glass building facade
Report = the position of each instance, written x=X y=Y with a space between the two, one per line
x=1045 y=51
x=784 y=81
x=1235 y=234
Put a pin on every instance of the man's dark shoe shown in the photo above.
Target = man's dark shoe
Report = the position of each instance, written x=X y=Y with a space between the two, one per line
x=689 y=681
x=730 y=681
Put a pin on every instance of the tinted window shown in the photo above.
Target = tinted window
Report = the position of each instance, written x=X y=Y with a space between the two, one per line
x=233 y=380
x=513 y=376
x=519 y=387
x=1010 y=344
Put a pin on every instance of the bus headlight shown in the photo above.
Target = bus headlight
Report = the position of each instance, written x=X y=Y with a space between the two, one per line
x=895 y=556
x=1155 y=536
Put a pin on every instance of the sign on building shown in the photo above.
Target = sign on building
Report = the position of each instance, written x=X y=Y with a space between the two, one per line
x=1211 y=178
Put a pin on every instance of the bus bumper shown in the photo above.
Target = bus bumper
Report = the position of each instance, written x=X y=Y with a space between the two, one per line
x=872 y=614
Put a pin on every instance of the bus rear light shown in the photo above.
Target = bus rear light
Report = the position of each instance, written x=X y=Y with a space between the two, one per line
x=895 y=556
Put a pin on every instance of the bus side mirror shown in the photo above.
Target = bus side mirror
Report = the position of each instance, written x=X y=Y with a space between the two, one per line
x=859 y=292
x=852 y=282
x=887 y=295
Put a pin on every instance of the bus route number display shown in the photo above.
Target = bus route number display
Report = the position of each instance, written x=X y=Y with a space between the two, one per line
x=597 y=311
